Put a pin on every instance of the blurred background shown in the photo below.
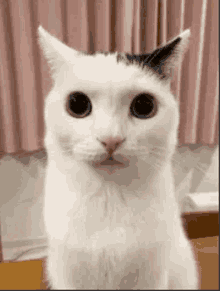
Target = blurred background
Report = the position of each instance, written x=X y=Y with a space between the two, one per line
x=134 y=26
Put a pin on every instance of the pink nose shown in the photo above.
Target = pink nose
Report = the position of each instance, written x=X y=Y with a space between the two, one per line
x=112 y=143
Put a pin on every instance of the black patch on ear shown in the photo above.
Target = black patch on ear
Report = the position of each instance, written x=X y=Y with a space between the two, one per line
x=137 y=58
x=154 y=61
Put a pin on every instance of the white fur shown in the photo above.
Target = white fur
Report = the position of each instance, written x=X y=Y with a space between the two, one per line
x=120 y=230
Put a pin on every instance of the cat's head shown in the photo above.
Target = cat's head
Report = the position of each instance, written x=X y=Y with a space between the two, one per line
x=114 y=106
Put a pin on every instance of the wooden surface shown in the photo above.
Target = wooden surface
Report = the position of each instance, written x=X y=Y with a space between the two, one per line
x=198 y=225
x=29 y=274
x=207 y=253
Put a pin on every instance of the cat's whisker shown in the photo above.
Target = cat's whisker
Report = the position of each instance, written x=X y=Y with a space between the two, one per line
x=157 y=154
x=158 y=159
x=177 y=163
x=159 y=163
x=158 y=149
x=153 y=164
x=201 y=168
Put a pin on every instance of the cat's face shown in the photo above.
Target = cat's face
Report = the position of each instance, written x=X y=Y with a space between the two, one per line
x=100 y=98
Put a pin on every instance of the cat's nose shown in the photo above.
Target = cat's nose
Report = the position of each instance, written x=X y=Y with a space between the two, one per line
x=112 y=143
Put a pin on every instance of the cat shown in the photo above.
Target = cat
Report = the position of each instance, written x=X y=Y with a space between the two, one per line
x=110 y=209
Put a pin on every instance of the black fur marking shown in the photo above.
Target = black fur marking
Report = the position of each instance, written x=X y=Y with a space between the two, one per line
x=154 y=61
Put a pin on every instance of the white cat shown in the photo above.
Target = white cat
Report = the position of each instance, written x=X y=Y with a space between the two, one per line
x=110 y=209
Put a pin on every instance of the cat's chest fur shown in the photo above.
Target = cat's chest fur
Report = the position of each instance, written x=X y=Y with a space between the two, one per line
x=84 y=198
x=108 y=236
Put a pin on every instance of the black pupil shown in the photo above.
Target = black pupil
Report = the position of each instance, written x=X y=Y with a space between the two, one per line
x=79 y=104
x=142 y=106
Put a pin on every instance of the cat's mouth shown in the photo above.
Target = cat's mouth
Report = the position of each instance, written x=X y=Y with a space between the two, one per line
x=111 y=162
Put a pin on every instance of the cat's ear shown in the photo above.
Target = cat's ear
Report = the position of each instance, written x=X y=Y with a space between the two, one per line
x=164 y=59
x=55 y=52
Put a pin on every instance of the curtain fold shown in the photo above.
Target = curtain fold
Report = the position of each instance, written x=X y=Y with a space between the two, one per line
x=134 y=26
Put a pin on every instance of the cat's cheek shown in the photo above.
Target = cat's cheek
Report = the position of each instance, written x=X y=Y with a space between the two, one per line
x=65 y=144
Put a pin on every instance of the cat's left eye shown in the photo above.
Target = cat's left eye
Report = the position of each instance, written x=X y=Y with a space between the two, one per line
x=78 y=105
x=143 y=106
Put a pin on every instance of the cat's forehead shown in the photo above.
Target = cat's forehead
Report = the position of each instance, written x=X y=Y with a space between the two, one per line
x=106 y=68
x=104 y=71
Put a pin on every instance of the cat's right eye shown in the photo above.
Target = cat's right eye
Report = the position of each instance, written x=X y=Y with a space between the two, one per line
x=78 y=105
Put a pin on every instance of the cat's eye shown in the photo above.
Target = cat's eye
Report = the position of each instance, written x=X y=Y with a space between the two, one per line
x=143 y=106
x=78 y=105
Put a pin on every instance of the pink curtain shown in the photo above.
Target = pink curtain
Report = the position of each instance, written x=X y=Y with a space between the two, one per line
x=112 y=25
